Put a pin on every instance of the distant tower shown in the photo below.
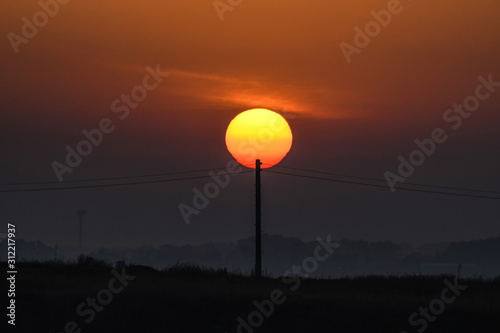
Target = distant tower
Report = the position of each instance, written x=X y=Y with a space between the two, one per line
x=81 y=213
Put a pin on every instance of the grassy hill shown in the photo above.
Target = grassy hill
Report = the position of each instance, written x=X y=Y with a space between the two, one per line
x=55 y=297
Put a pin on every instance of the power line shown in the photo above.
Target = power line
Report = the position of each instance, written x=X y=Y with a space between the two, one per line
x=112 y=178
x=383 y=181
x=107 y=185
x=214 y=169
x=383 y=186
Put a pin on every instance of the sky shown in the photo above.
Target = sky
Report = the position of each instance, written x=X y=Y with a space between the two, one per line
x=356 y=93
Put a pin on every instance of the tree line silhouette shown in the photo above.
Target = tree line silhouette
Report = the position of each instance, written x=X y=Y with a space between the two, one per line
x=353 y=257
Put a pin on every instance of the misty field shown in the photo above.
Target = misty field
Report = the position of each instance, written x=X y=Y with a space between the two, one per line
x=95 y=297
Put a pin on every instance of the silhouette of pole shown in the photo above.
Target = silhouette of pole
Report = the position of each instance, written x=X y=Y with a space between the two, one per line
x=258 y=249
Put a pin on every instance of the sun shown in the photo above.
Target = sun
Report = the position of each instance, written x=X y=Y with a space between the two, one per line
x=259 y=134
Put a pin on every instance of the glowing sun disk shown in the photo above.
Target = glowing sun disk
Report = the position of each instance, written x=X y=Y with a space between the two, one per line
x=259 y=134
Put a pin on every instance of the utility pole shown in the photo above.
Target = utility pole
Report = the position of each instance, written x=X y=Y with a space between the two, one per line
x=258 y=248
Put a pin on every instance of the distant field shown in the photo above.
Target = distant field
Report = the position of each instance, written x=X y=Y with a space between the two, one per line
x=55 y=297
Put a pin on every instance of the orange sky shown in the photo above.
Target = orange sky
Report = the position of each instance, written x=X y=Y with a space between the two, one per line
x=280 y=55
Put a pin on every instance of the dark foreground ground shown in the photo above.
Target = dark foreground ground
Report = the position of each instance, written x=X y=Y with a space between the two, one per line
x=91 y=298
